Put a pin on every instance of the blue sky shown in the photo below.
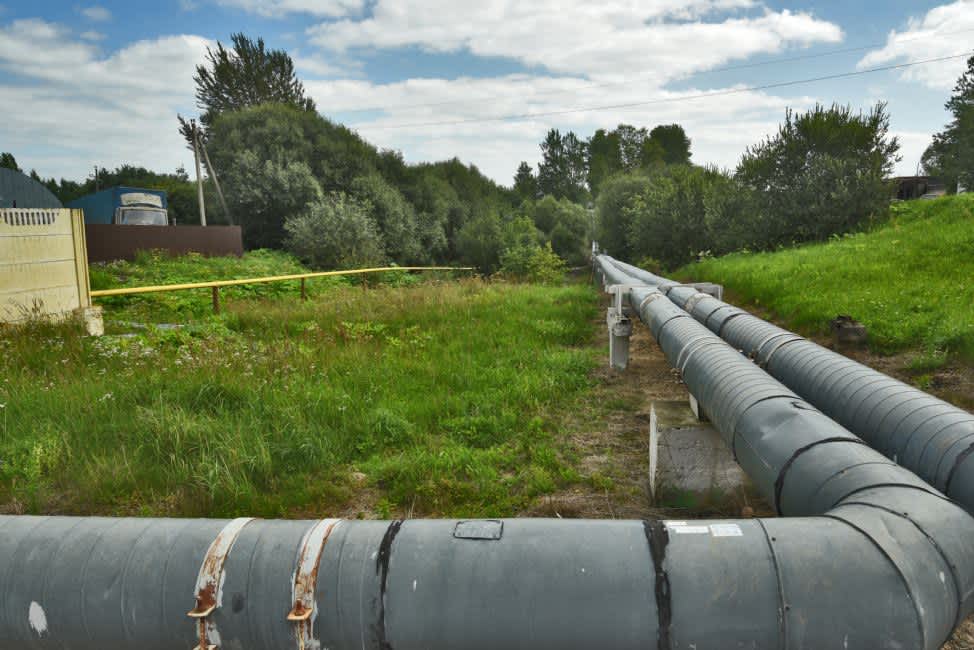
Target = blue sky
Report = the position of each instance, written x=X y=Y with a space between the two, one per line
x=100 y=83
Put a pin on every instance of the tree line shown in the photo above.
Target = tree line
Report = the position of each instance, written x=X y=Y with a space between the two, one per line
x=574 y=169
x=294 y=179
x=823 y=173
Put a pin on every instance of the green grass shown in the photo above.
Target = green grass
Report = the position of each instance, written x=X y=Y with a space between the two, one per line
x=444 y=395
x=908 y=280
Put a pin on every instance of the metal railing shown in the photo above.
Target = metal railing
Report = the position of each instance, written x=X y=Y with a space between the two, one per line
x=215 y=285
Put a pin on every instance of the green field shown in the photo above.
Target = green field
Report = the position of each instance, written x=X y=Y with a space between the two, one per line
x=909 y=280
x=414 y=396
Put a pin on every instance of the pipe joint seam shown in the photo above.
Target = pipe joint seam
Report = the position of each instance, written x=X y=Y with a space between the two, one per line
x=779 y=482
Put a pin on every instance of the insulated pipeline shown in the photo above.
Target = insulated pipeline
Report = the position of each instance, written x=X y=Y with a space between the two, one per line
x=925 y=434
x=871 y=557
x=862 y=577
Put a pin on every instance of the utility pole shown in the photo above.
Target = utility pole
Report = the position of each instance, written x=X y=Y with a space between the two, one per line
x=96 y=178
x=216 y=181
x=199 y=175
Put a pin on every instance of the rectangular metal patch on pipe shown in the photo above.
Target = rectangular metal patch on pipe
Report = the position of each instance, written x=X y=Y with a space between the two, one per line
x=488 y=529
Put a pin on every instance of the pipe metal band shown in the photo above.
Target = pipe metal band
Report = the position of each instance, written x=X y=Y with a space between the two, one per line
x=209 y=582
x=306 y=579
x=693 y=300
x=648 y=299
x=763 y=358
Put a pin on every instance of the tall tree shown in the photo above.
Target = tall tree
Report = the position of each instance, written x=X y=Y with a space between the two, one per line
x=576 y=153
x=525 y=183
x=951 y=155
x=245 y=75
x=675 y=143
x=631 y=142
x=553 y=168
x=604 y=158
x=562 y=170
x=651 y=155
x=7 y=161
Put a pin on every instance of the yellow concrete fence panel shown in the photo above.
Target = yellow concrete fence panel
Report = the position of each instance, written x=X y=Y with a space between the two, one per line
x=43 y=264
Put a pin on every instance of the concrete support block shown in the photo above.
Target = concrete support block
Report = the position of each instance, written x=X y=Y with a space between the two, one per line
x=94 y=323
x=686 y=455
x=709 y=288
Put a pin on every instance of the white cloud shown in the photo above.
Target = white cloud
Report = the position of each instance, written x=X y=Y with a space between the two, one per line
x=583 y=46
x=276 y=8
x=314 y=66
x=944 y=31
x=496 y=147
x=912 y=146
x=67 y=106
x=610 y=39
x=96 y=13
x=92 y=35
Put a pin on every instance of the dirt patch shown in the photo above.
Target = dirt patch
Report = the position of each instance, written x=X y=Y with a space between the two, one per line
x=963 y=638
x=609 y=440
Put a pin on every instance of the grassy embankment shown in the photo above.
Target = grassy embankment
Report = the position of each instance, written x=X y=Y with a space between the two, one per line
x=909 y=280
x=427 y=397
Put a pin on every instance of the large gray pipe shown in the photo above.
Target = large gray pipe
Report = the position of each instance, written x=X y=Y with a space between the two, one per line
x=881 y=561
x=925 y=434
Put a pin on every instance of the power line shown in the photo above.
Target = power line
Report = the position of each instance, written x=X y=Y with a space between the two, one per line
x=667 y=100
x=611 y=84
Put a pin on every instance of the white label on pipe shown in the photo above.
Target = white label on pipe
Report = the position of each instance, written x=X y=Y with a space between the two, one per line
x=691 y=530
x=726 y=530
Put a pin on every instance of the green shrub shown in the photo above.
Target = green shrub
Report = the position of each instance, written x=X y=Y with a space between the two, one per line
x=824 y=172
x=480 y=242
x=337 y=232
x=539 y=264
x=666 y=218
x=613 y=229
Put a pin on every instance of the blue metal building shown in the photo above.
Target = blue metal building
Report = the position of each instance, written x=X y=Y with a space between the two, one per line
x=18 y=190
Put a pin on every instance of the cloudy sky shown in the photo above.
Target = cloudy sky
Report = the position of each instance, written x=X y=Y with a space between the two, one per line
x=100 y=84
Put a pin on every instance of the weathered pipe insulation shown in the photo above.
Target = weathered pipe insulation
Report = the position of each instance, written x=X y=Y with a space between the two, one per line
x=925 y=434
x=883 y=560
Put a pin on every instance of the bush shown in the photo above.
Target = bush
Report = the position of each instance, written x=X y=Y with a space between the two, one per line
x=336 y=232
x=480 y=242
x=536 y=264
x=614 y=196
x=823 y=173
x=394 y=217
x=563 y=223
x=265 y=194
x=666 y=218
x=731 y=218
